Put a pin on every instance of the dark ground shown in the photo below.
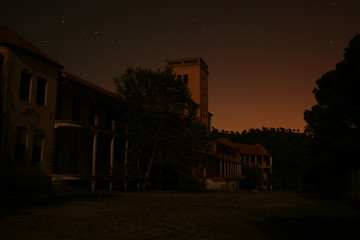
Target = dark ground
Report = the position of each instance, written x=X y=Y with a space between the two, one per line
x=177 y=215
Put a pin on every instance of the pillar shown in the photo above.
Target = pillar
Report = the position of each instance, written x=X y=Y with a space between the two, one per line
x=93 y=172
x=126 y=157
x=221 y=168
x=111 y=162
x=227 y=169
x=112 y=156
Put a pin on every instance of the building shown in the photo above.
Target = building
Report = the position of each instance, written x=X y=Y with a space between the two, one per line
x=87 y=144
x=28 y=81
x=52 y=123
x=226 y=161
x=194 y=72
x=255 y=155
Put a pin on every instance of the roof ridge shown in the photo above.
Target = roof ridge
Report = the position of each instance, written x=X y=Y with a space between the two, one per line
x=10 y=37
x=88 y=84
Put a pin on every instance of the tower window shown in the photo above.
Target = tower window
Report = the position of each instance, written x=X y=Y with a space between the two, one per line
x=204 y=82
x=25 y=85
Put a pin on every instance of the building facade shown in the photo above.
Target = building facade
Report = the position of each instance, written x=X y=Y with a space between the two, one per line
x=227 y=160
x=52 y=123
x=28 y=81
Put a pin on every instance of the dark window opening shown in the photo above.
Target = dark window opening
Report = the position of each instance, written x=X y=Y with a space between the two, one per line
x=108 y=120
x=191 y=61
x=37 y=148
x=20 y=147
x=41 y=91
x=25 y=85
x=76 y=109
x=174 y=63
x=92 y=113
x=179 y=77
x=186 y=78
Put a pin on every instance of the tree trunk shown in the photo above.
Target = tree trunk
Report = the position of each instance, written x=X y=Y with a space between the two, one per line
x=126 y=157
x=151 y=161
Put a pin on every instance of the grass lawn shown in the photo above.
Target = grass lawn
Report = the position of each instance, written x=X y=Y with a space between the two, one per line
x=177 y=215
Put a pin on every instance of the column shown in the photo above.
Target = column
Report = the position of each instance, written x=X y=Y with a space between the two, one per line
x=233 y=169
x=112 y=144
x=126 y=157
x=221 y=168
x=111 y=162
x=93 y=172
x=228 y=169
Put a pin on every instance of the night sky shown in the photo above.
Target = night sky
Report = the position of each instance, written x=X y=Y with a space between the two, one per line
x=264 y=56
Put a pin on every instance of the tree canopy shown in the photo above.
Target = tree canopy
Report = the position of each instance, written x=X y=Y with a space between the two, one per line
x=338 y=108
x=334 y=122
x=163 y=134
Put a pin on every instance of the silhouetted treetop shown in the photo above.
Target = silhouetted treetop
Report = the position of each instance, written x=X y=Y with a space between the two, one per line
x=338 y=108
x=334 y=122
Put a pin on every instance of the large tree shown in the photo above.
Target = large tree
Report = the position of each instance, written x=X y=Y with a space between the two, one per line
x=163 y=135
x=334 y=122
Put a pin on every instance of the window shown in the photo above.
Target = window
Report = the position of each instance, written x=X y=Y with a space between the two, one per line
x=186 y=78
x=25 y=85
x=179 y=77
x=76 y=109
x=37 y=148
x=41 y=91
x=20 y=147
x=92 y=113
x=191 y=61
x=174 y=63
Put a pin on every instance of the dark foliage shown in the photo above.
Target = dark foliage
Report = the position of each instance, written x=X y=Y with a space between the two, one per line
x=160 y=127
x=252 y=180
x=334 y=122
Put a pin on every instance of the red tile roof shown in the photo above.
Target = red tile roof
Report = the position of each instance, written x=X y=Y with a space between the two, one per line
x=11 y=38
x=88 y=84
x=252 y=149
x=227 y=142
